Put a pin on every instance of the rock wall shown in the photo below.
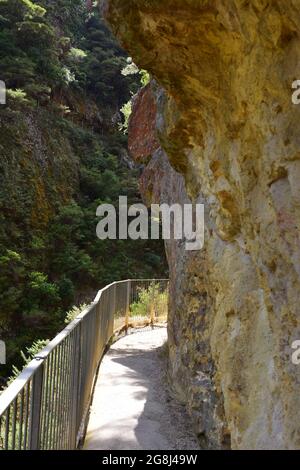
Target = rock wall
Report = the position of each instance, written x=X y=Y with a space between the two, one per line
x=229 y=136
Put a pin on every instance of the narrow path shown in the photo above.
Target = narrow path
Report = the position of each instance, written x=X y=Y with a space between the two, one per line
x=132 y=409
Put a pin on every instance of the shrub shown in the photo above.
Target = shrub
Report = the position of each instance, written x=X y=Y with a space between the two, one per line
x=147 y=297
x=126 y=110
x=74 y=312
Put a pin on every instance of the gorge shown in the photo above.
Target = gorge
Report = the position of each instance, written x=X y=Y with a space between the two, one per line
x=62 y=153
x=171 y=103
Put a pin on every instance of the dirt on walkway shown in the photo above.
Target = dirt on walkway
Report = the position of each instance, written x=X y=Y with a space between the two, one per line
x=132 y=408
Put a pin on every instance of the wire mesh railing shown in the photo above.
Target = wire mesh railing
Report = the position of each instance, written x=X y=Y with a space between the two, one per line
x=47 y=405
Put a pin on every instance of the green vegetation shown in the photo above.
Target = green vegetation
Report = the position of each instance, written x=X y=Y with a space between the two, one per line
x=74 y=312
x=61 y=155
x=131 y=70
x=27 y=357
x=126 y=110
x=154 y=297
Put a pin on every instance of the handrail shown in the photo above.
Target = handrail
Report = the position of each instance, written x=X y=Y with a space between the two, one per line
x=46 y=406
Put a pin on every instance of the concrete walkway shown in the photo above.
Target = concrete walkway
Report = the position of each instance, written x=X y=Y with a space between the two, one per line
x=132 y=409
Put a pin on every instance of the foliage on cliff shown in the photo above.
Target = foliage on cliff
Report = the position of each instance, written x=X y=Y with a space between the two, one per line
x=61 y=155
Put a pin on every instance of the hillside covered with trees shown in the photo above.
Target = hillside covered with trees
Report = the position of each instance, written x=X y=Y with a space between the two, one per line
x=62 y=153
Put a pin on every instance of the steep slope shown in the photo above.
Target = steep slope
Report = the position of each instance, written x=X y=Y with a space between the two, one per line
x=61 y=155
x=228 y=125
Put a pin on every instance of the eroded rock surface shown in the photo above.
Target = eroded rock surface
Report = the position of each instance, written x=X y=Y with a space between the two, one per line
x=232 y=139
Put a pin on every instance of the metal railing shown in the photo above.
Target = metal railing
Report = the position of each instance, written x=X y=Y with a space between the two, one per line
x=47 y=405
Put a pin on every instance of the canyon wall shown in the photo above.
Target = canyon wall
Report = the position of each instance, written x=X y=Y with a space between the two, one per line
x=222 y=130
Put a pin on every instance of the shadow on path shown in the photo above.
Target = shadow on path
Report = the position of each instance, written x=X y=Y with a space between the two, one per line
x=131 y=409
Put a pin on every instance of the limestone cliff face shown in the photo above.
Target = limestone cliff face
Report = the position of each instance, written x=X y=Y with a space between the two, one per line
x=231 y=134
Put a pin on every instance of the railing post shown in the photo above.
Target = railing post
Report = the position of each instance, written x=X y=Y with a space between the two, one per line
x=114 y=304
x=36 y=405
x=127 y=305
